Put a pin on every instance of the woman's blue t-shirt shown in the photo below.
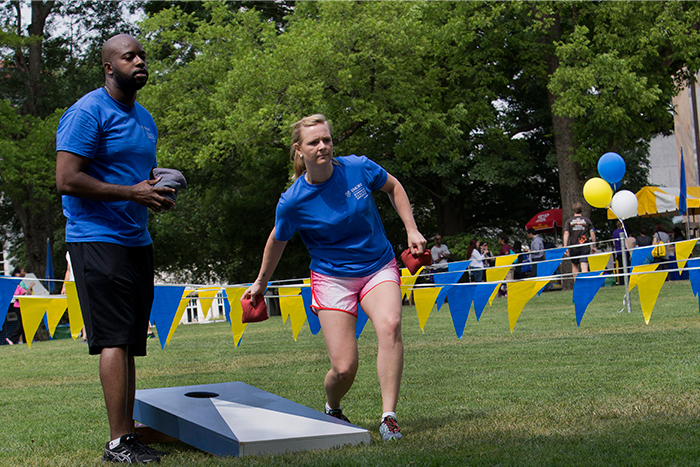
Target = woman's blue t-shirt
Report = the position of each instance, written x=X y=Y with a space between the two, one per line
x=338 y=220
x=121 y=143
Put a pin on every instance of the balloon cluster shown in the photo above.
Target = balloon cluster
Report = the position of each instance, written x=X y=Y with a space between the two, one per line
x=598 y=192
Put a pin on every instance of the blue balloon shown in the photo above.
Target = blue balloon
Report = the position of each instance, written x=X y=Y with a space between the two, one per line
x=611 y=167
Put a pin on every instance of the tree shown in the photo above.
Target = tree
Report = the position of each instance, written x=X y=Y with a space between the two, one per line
x=611 y=70
x=231 y=84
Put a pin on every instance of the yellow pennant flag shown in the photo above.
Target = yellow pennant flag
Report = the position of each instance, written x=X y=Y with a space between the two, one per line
x=634 y=276
x=683 y=251
x=54 y=312
x=519 y=293
x=292 y=305
x=233 y=295
x=32 y=309
x=598 y=262
x=497 y=274
x=75 y=316
x=206 y=296
x=408 y=281
x=424 y=298
x=649 y=288
x=178 y=314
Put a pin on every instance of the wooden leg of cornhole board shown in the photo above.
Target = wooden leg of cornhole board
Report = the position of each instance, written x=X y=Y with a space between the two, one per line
x=236 y=419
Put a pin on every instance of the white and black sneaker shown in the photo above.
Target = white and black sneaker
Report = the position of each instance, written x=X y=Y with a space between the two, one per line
x=128 y=450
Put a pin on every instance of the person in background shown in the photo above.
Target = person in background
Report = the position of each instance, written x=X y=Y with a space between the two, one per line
x=660 y=235
x=536 y=249
x=440 y=254
x=330 y=204
x=476 y=259
x=18 y=336
x=105 y=156
x=643 y=239
x=579 y=230
x=506 y=249
x=678 y=235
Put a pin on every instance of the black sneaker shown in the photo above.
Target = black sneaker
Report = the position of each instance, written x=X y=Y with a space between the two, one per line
x=337 y=413
x=128 y=451
x=152 y=451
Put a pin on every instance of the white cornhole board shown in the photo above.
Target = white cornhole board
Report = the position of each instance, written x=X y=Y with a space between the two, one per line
x=236 y=419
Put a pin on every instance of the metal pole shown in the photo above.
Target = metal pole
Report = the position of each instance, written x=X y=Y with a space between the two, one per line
x=625 y=275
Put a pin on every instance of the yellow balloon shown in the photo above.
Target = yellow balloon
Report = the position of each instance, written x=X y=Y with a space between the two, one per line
x=597 y=192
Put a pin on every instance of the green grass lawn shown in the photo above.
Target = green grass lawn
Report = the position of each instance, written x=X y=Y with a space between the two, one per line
x=613 y=392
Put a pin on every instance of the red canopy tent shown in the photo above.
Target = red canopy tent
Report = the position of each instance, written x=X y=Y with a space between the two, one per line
x=546 y=221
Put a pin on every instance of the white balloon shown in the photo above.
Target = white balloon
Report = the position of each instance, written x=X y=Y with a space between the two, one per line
x=624 y=204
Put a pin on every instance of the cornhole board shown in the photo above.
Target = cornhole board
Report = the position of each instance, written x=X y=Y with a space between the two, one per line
x=236 y=419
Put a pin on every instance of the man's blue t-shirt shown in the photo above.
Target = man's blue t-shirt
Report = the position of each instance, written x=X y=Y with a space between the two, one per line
x=121 y=143
x=338 y=220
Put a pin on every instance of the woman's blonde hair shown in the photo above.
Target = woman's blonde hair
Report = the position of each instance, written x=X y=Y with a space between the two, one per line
x=311 y=120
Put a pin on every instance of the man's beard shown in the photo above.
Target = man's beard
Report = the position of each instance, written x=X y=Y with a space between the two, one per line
x=126 y=82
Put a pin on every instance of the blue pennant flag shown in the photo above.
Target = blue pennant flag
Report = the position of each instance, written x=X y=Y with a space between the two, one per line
x=8 y=285
x=460 y=298
x=482 y=293
x=49 y=268
x=311 y=318
x=586 y=286
x=694 y=274
x=361 y=321
x=166 y=300
x=683 y=196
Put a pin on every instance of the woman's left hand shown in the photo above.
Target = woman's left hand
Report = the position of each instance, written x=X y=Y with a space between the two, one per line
x=416 y=242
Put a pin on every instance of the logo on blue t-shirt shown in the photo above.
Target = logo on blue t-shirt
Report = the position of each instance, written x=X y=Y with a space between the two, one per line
x=359 y=191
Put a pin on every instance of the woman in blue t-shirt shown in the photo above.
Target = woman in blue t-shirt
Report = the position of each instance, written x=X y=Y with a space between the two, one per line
x=330 y=204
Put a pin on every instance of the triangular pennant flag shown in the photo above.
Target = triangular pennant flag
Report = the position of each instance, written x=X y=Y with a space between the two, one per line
x=75 y=316
x=184 y=301
x=33 y=310
x=649 y=288
x=641 y=255
x=206 y=297
x=552 y=260
x=54 y=312
x=235 y=310
x=311 y=318
x=456 y=270
x=440 y=300
x=292 y=305
x=694 y=274
x=165 y=302
x=500 y=272
x=425 y=299
x=482 y=293
x=362 y=319
x=586 y=286
x=283 y=293
x=683 y=251
x=227 y=307
x=460 y=298
x=519 y=293
x=7 y=292
x=638 y=272
x=407 y=282
x=599 y=262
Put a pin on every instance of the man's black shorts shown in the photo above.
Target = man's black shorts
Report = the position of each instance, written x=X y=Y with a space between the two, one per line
x=115 y=289
x=582 y=251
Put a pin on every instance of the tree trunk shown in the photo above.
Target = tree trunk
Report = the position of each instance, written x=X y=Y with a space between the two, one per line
x=570 y=183
x=449 y=214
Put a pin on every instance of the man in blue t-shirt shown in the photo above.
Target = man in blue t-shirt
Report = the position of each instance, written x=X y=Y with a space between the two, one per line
x=106 y=152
